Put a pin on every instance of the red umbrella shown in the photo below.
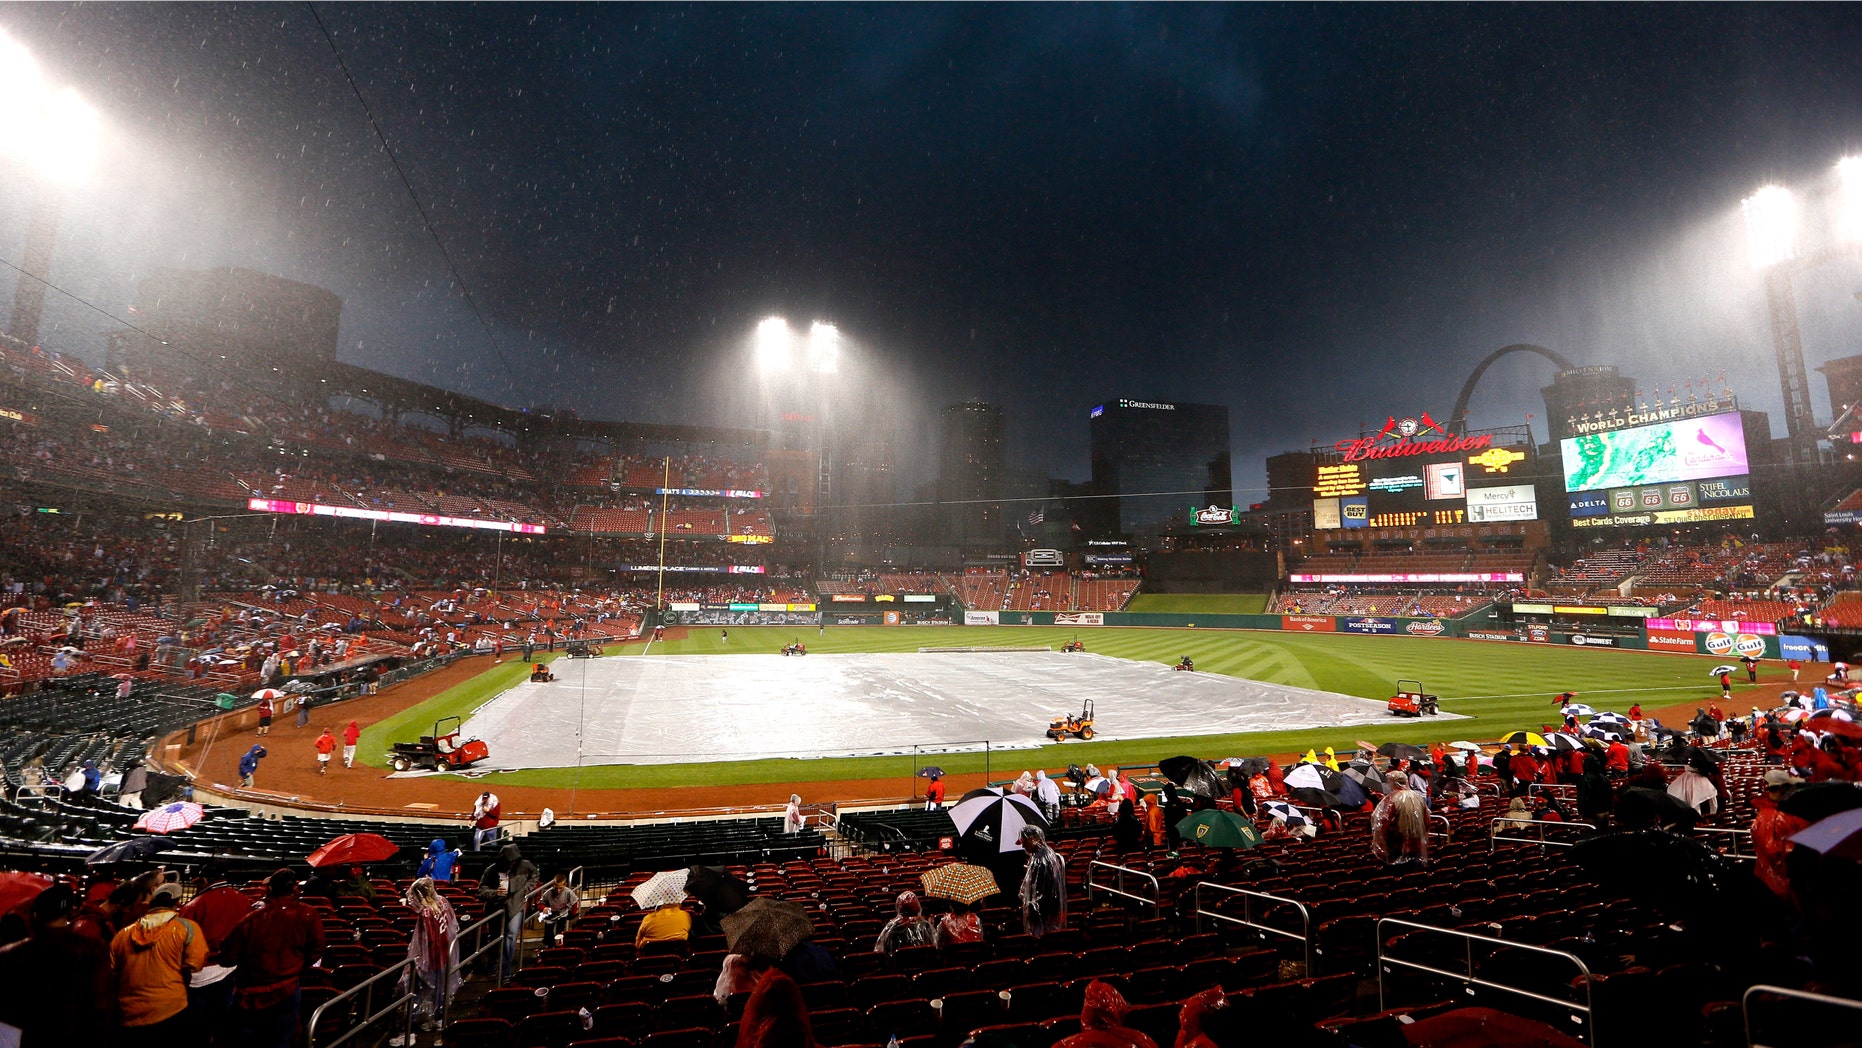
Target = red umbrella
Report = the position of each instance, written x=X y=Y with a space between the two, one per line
x=18 y=888
x=217 y=911
x=352 y=848
x=1829 y=721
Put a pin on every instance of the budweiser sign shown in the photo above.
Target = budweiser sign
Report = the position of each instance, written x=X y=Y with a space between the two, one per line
x=1366 y=448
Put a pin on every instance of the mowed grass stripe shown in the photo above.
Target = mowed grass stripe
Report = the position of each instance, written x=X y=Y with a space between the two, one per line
x=1501 y=686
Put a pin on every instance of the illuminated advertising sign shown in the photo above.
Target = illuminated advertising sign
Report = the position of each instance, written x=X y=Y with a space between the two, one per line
x=1216 y=516
x=694 y=569
x=1496 y=460
x=1400 y=482
x=1354 y=512
x=1668 y=452
x=1325 y=516
x=1512 y=502
x=726 y=493
x=317 y=509
x=750 y=540
x=1336 y=480
x=1680 y=516
x=1451 y=576
x=1444 y=480
x=1713 y=626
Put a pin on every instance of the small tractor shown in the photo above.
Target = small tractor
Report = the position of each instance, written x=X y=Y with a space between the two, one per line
x=1411 y=701
x=441 y=751
x=1081 y=726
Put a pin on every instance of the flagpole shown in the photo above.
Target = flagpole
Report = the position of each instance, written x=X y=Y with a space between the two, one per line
x=665 y=496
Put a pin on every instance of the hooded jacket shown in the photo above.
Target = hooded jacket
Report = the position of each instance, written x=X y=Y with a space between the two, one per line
x=521 y=874
x=439 y=861
x=1102 y=1022
x=152 y=957
x=249 y=764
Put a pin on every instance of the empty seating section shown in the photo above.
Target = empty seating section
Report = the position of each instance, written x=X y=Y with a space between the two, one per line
x=1595 y=569
x=980 y=590
x=1103 y=594
x=985 y=589
x=598 y=521
x=1746 y=610
x=1311 y=601
x=1844 y=611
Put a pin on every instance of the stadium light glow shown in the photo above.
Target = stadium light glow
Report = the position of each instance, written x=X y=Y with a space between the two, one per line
x=774 y=345
x=50 y=129
x=1849 y=177
x=823 y=348
x=1771 y=226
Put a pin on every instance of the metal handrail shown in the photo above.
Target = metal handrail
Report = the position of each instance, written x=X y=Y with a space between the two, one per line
x=1494 y=834
x=1385 y=961
x=1448 y=828
x=366 y=988
x=1118 y=886
x=1745 y=1004
x=1247 y=914
x=1733 y=838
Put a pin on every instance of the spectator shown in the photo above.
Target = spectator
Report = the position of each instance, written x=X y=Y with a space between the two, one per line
x=775 y=1015
x=908 y=926
x=266 y=711
x=218 y=910
x=57 y=987
x=669 y=923
x=961 y=924
x=153 y=958
x=558 y=907
x=1102 y=1022
x=439 y=862
x=505 y=884
x=485 y=813
x=1044 y=885
x=1772 y=829
x=934 y=793
x=270 y=951
x=792 y=818
x=433 y=951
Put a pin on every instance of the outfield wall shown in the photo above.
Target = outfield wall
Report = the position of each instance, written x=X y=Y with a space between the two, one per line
x=1727 y=640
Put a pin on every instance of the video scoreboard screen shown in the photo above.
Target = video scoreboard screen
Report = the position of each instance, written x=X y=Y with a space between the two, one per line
x=1424 y=488
x=1680 y=472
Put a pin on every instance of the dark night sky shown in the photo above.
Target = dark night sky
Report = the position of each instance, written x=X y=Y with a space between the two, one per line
x=1315 y=215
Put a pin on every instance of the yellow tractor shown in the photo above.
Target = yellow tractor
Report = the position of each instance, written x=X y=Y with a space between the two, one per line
x=1081 y=726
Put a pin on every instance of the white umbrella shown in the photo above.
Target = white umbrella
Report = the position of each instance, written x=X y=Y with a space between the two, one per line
x=1717 y=670
x=1463 y=744
x=1609 y=718
x=666 y=888
x=992 y=816
x=267 y=693
x=1305 y=776
x=1561 y=741
x=1577 y=709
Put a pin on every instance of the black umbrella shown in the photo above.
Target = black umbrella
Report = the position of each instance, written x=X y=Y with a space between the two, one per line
x=930 y=771
x=1821 y=800
x=1367 y=776
x=1640 y=805
x=1315 y=798
x=1194 y=775
x=1656 y=865
x=990 y=821
x=133 y=848
x=1401 y=751
x=720 y=891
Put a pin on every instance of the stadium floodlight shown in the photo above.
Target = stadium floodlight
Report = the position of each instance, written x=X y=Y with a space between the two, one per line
x=1849 y=179
x=823 y=348
x=50 y=129
x=1771 y=226
x=774 y=345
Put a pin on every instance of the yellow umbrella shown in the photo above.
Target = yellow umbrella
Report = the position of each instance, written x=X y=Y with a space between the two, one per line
x=1528 y=738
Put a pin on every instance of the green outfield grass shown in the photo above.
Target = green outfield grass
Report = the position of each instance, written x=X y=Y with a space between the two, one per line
x=1198 y=603
x=1502 y=686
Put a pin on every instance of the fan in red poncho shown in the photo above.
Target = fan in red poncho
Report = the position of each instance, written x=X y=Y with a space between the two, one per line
x=1102 y=1022
x=775 y=1015
x=1195 y=1015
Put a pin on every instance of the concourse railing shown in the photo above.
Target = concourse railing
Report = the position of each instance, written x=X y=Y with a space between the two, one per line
x=1255 y=906
x=1537 y=831
x=1468 y=975
x=1815 y=1002
x=1117 y=887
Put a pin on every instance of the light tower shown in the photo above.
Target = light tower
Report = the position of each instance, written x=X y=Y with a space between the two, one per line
x=53 y=134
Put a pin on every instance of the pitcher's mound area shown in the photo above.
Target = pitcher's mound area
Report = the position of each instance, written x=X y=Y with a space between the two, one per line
x=654 y=709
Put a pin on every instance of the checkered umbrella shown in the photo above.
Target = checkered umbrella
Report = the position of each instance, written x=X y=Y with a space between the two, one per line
x=1607 y=719
x=1606 y=732
x=960 y=882
x=994 y=819
x=170 y=817
x=1287 y=813
x=666 y=888
x=1562 y=742
x=1577 y=709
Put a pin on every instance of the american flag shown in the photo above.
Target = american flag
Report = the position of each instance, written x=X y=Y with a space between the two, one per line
x=1039 y=516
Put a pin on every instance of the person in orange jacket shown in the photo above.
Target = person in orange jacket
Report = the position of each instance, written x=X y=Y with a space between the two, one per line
x=326 y=745
x=152 y=957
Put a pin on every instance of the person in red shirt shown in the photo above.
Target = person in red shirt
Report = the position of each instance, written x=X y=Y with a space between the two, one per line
x=326 y=745
x=265 y=716
x=1616 y=759
x=270 y=951
x=1525 y=769
x=350 y=736
x=934 y=793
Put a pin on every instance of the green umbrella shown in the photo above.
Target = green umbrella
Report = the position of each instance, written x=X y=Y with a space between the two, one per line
x=1214 y=828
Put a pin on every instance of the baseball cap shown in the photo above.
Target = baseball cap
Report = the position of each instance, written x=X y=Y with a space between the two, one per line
x=1779 y=777
x=166 y=895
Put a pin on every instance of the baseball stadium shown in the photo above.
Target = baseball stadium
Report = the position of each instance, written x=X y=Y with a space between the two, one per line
x=343 y=707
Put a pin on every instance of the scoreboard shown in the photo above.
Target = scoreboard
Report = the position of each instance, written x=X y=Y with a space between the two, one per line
x=1409 y=479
